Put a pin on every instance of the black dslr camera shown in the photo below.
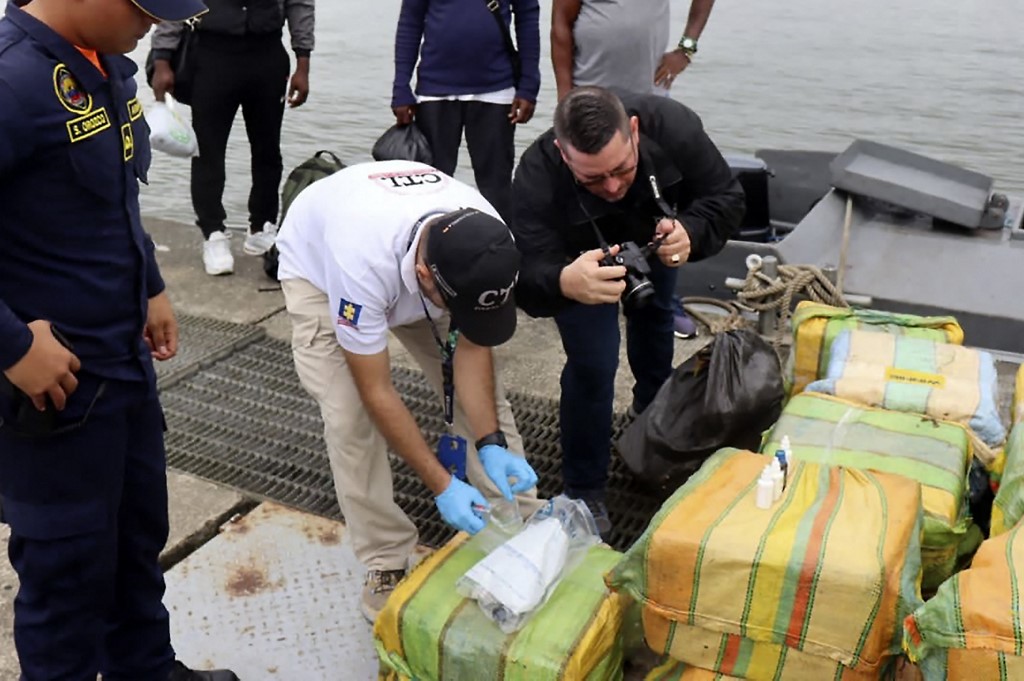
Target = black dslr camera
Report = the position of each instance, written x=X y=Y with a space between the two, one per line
x=639 y=288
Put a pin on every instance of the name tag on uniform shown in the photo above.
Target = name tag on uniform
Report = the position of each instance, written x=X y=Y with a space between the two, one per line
x=88 y=125
x=451 y=452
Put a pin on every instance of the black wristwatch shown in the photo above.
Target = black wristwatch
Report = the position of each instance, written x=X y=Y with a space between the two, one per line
x=495 y=438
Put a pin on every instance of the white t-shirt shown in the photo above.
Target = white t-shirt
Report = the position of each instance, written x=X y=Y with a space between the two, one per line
x=349 y=235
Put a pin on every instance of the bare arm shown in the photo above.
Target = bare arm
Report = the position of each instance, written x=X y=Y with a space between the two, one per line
x=563 y=17
x=675 y=62
x=372 y=374
x=700 y=10
x=474 y=386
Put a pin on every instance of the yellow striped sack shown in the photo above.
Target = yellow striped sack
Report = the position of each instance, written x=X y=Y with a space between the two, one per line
x=937 y=454
x=813 y=588
x=673 y=670
x=428 y=632
x=1008 y=507
x=944 y=381
x=816 y=325
x=972 y=629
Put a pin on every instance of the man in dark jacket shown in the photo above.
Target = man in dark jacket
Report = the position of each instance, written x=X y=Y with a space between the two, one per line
x=614 y=172
x=469 y=79
x=240 y=62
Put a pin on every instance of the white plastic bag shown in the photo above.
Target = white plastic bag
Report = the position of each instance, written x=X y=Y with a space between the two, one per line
x=170 y=132
x=517 y=577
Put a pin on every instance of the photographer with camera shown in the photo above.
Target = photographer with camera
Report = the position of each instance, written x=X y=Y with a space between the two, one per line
x=607 y=206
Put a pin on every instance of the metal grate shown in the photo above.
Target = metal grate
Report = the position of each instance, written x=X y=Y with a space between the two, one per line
x=205 y=341
x=245 y=421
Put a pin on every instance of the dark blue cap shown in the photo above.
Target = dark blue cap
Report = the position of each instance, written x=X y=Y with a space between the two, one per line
x=171 y=10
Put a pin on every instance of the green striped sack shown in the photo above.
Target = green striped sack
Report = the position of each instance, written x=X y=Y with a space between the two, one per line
x=428 y=632
x=1008 y=507
x=972 y=630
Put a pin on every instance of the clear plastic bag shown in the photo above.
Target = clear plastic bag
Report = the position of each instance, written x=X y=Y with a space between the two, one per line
x=518 y=576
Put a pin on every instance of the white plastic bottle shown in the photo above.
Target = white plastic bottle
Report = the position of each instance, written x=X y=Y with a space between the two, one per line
x=777 y=478
x=786 y=446
x=765 y=489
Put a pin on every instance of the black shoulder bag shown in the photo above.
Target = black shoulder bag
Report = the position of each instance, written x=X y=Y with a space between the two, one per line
x=183 y=63
x=494 y=6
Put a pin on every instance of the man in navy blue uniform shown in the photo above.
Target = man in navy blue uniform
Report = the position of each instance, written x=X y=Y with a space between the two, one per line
x=83 y=313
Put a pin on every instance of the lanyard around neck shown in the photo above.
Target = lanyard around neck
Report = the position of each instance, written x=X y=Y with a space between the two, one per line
x=447 y=350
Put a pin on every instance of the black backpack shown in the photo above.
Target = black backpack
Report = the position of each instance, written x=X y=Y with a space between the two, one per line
x=322 y=164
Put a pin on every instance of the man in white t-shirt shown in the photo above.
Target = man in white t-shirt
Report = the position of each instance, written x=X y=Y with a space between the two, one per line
x=400 y=247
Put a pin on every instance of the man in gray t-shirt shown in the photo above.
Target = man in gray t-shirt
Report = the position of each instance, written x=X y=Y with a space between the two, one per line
x=621 y=44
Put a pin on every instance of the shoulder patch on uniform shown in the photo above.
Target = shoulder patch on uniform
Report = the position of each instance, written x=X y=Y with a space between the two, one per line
x=348 y=313
x=71 y=95
x=127 y=141
x=88 y=125
x=134 y=109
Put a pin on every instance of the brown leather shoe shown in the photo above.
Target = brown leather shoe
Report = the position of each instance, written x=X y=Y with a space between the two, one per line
x=376 y=591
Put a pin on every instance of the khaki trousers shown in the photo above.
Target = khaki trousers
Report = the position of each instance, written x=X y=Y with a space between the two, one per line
x=383 y=536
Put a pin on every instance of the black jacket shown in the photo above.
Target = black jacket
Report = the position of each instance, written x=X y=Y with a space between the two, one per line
x=550 y=210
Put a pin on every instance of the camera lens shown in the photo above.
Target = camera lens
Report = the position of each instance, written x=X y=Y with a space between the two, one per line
x=639 y=291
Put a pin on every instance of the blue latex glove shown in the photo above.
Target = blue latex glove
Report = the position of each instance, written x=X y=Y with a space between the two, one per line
x=456 y=504
x=500 y=465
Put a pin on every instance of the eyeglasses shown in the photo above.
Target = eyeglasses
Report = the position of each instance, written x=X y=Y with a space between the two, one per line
x=620 y=171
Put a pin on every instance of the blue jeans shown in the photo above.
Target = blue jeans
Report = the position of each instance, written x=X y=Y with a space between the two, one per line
x=590 y=337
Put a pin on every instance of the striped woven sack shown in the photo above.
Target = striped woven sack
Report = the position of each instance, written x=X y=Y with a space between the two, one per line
x=972 y=629
x=1008 y=507
x=673 y=670
x=816 y=325
x=937 y=454
x=428 y=632
x=947 y=382
x=813 y=588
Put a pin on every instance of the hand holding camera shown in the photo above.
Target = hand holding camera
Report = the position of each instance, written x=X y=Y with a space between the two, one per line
x=675 y=242
x=587 y=280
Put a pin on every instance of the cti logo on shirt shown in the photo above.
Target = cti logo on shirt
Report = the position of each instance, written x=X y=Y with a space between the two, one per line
x=348 y=313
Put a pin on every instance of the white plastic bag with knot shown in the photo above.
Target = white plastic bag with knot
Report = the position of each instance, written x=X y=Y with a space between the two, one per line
x=518 y=576
x=170 y=132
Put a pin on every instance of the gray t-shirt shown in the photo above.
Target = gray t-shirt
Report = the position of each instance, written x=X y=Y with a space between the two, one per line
x=619 y=43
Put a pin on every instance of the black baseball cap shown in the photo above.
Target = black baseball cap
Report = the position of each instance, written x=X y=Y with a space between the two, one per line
x=475 y=266
x=171 y=10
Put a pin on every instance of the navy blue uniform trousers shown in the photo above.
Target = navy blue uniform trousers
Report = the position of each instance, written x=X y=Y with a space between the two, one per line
x=88 y=516
x=590 y=338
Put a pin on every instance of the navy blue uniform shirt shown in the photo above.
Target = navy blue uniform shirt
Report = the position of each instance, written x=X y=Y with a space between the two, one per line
x=73 y=147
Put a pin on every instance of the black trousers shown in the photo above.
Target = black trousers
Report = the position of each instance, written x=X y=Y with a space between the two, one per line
x=251 y=74
x=490 y=138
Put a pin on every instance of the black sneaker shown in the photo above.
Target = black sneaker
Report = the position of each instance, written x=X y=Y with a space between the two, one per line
x=595 y=504
x=180 y=672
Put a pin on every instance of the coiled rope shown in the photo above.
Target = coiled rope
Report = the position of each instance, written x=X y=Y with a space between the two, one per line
x=765 y=294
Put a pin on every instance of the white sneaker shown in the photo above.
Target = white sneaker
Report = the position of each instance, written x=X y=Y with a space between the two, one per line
x=217 y=258
x=258 y=243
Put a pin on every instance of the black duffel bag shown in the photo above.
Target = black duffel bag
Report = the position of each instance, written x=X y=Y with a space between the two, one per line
x=727 y=395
